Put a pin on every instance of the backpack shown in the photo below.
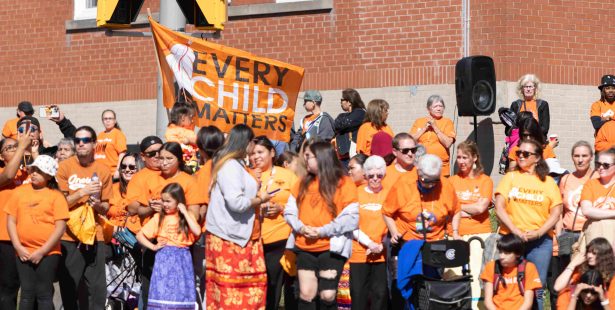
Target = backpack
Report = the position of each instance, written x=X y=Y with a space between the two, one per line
x=497 y=276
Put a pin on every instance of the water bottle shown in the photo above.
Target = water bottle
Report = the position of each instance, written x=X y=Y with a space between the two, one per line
x=95 y=179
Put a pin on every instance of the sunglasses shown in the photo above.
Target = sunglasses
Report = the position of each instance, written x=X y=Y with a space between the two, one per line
x=130 y=167
x=376 y=176
x=603 y=165
x=151 y=153
x=33 y=128
x=524 y=154
x=85 y=140
x=11 y=147
x=429 y=182
x=407 y=150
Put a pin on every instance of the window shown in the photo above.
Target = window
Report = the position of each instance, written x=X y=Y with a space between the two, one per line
x=84 y=9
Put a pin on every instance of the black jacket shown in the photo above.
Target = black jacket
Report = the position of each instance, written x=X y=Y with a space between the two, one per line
x=544 y=118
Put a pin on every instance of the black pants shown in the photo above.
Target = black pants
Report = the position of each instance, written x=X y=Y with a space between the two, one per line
x=85 y=263
x=147 y=267
x=9 y=280
x=368 y=286
x=37 y=283
x=278 y=278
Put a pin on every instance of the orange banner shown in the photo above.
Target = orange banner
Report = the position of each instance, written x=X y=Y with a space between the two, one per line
x=229 y=86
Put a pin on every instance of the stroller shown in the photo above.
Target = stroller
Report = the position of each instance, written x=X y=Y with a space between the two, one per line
x=438 y=294
x=123 y=287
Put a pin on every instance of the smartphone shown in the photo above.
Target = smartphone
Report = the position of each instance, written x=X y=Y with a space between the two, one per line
x=49 y=111
x=273 y=192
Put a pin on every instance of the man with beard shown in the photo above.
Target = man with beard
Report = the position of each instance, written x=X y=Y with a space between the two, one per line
x=602 y=114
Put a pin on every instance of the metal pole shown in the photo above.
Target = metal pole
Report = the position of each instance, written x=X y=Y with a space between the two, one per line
x=172 y=17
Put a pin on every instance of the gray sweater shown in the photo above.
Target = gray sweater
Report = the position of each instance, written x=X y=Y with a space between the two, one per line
x=230 y=215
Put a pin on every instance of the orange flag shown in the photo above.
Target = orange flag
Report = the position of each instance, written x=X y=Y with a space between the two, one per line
x=229 y=86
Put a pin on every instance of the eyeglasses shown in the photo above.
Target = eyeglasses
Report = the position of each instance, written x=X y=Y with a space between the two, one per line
x=372 y=176
x=130 y=167
x=407 y=150
x=524 y=154
x=85 y=140
x=528 y=87
x=151 y=153
x=429 y=182
x=603 y=165
x=10 y=147
x=108 y=118
x=33 y=128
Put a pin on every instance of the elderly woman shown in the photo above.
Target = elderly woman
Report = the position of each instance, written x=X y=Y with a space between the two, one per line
x=368 y=280
x=435 y=132
x=528 y=89
x=420 y=207
x=66 y=149
x=598 y=195
x=528 y=204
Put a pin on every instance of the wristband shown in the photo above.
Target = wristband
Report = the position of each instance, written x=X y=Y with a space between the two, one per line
x=605 y=302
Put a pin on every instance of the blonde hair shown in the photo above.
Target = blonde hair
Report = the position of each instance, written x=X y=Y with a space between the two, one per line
x=529 y=78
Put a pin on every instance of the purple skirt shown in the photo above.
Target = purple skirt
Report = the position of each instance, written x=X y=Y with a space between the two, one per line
x=172 y=285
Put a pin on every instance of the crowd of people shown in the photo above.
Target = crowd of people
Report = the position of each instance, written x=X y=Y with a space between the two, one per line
x=234 y=220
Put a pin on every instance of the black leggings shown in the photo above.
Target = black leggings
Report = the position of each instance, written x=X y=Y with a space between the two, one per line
x=37 y=283
x=278 y=278
x=9 y=281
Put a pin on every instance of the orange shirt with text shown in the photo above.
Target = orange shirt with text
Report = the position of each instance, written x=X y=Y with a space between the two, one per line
x=36 y=213
x=571 y=188
x=600 y=196
x=602 y=109
x=469 y=191
x=510 y=297
x=169 y=231
x=313 y=210
x=365 y=135
x=109 y=145
x=429 y=139
x=371 y=223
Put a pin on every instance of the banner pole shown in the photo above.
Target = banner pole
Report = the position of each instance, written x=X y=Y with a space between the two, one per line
x=172 y=17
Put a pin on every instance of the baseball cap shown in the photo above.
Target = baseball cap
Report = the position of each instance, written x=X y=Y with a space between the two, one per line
x=149 y=141
x=46 y=164
x=26 y=107
x=312 y=95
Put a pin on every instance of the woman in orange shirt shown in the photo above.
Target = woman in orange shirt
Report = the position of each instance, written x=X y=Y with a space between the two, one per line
x=325 y=207
x=274 y=229
x=528 y=204
x=435 y=132
x=474 y=190
x=37 y=215
x=375 y=122
x=111 y=143
x=528 y=89
x=209 y=140
x=130 y=164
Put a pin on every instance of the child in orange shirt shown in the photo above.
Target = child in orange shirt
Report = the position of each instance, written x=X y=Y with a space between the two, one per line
x=37 y=214
x=503 y=289
x=181 y=130
x=175 y=229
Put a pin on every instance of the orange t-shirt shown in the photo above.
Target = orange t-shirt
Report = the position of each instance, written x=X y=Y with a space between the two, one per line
x=392 y=174
x=564 y=296
x=109 y=146
x=571 y=188
x=605 y=137
x=169 y=231
x=602 y=109
x=365 y=135
x=187 y=182
x=203 y=183
x=371 y=223
x=141 y=186
x=600 y=196
x=546 y=153
x=405 y=203
x=276 y=229
x=5 y=193
x=313 y=210
x=510 y=297
x=528 y=200
x=529 y=106
x=36 y=213
x=72 y=177
x=10 y=128
x=117 y=211
x=469 y=191
x=429 y=139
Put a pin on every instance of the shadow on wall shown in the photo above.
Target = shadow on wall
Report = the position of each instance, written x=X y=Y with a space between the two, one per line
x=486 y=144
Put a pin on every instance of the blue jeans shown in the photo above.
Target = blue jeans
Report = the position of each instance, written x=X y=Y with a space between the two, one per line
x=539 y=252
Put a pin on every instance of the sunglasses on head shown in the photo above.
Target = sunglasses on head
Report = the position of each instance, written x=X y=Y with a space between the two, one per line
x=85 y=140
x=33 y=128
x=603 y=165
x=130 y=167
x=151 y=153
x=524 y=154
x=407 y=150
x=377 y=176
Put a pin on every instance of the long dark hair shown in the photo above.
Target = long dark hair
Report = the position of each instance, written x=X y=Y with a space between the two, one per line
x=180 y=109
x=234 y=148
x=354 y=98
x=605 y=259
x=176 y=149
x=177 y=193
x=209 y=140
x=593 y=278
x=138 y=163
x=542 y=169
x=531 y=126
x=330 y=172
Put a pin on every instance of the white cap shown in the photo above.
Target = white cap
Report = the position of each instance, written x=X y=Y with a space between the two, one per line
x=554 y=166
x=46 y=164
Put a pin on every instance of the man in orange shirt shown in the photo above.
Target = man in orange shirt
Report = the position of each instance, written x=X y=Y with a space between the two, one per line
x=603 y=113
x=77 y=180
x=404 y=150
x=10 y=127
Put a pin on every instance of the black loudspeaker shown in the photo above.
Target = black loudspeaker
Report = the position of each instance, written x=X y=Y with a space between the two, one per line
x=475 y=86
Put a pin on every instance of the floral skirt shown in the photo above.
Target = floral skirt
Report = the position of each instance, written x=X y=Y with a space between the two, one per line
x=343 y=289
x=236 y=277
x=172 y=284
